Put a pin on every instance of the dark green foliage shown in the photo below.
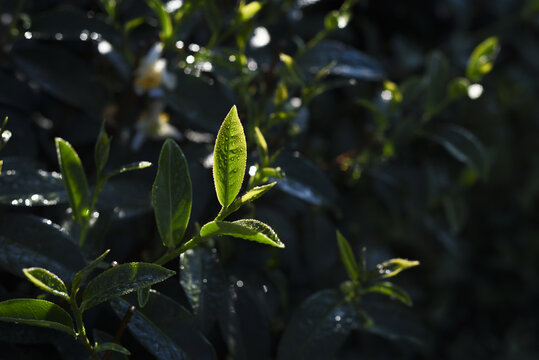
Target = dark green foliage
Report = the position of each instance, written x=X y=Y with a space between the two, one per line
x=411 y=127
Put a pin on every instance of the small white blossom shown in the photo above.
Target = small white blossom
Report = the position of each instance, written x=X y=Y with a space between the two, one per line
x=154 y=124
x=152 y=72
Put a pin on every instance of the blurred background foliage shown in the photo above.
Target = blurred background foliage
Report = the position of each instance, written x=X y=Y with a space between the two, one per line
x=380 y=125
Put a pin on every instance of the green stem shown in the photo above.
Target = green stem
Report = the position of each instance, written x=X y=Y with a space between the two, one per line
x=173 y=253
x=81 y=331
x=95 y=195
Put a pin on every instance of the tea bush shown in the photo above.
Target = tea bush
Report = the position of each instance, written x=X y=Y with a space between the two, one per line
x=352 y=140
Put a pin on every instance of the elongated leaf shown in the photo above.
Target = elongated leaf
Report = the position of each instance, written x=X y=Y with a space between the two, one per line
x=350 y=62
x=19 y=247
x=26 y=186
x=36 y=313
x=229 y=158
x=244 y=324
x=204 y=283
x=60 y=72
x=482 y=59
x=249 y=196
x=101 y=150
x=463 y=146
x=112 y=347
x=172 y=194
x=143 y=295
x=121 y=280
x=392 y=267
x=165 y=328
x=247 y=11
x=248 y=229
x=81 y=276
x=74 y=179
x=391 y=290
x=304 y=180
x=1 y=163
x=261 y=142
x=137 y=165
x=347 y=257
x=163 y=16
x=46 y=280
x=103 y=337
x=318 y=328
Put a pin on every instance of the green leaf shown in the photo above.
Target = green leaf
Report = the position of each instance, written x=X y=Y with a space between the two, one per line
x=36 y=313
x=23 y=185
x=1 y=163
x=229 y=158
x=81 y=276
x=318 y=328
x=482 y=59
x=143 y=295
x=391 y=290
x=247 y=11
x=436 y=80
x=29 y=241
x=165 y=328
x=392 y=267
x=137 y=165
x=46 y=280
x=74 y=178
x=204 y=283
x=462 y=145
x=347 y=257
x=248 y=229
x=164 y=18
x=261 y=142
x=112 y=347
x=121 y=280
x=248 y=197
x=172 y=194
x=101 y=150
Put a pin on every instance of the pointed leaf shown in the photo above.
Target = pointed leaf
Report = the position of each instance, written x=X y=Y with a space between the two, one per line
x=318 y=328
x=482 y=59
x=74 y=178
x=46 y=280
x=36 y=313
x=248 y=229
x=143 y=295
x=347 y=257
x=165 y=328
x=172 y=194
x=391 y=290
x=121 y=280
x=392 y=267
x=261 y=142
x=81 y=276
x=248 y=197
x=112 y=347
x=137 y=165
x=204 y=283
x=54 y=250
x=462 y=145
x=247 y=11
x=229 y=158
x=101 y=150
x=23 y=185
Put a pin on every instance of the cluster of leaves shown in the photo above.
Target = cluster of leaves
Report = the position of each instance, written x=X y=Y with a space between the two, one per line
x=400 y=149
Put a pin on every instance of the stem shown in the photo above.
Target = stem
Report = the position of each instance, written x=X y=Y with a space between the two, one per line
x=173 y=253
x=81 y=331
x=121 y=329
x=95 y=196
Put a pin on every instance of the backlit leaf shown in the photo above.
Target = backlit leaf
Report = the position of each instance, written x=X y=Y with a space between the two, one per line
x=36 y=313
x=391 y=290
x=482 y=59
x=248 y=229
x=46 y=280
x=81 y=275
x=347 y=257
x=112 y=347
x=74 y=178
x=121 y=280
x=229 y=158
